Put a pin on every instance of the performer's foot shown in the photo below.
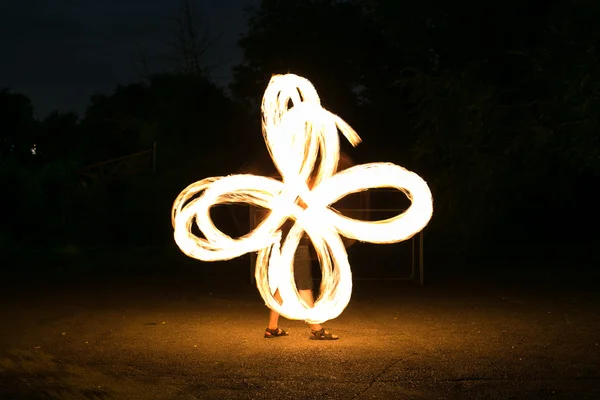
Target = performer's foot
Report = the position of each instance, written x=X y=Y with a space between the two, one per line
x=322 y=334
x=273 y=333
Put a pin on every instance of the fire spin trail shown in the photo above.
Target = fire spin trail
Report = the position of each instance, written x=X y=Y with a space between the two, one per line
x=297 y=130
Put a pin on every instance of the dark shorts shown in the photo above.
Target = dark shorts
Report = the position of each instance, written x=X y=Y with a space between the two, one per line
x=303 y=267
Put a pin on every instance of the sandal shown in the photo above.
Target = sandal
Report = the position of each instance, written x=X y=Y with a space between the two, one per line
x=272 y=333
x=322 y=334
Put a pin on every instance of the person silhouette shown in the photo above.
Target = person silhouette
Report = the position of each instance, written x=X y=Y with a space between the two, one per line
x=303 y=267
x=304 y=284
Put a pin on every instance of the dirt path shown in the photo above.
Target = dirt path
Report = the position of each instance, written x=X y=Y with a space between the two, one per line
x=187 y=338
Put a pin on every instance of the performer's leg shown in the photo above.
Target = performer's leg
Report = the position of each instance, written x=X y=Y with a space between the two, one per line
x=304 y=283
x=273 y=329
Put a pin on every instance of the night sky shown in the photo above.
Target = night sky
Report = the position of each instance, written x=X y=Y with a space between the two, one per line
x=60 y=52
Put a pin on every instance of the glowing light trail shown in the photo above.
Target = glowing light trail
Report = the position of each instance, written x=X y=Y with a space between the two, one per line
x=297 y=130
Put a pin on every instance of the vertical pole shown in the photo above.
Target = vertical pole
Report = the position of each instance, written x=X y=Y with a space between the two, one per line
x=367 y=204
x=421 y=265
x=252 y=255
x=154 y=157
x=412 y=271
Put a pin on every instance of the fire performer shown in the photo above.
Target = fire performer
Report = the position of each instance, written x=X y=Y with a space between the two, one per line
x=303 y=267
x=298 y=130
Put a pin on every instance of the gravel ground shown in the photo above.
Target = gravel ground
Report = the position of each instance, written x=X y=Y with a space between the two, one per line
x=199 y=336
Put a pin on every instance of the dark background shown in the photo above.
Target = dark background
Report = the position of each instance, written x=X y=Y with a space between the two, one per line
x=495 y=104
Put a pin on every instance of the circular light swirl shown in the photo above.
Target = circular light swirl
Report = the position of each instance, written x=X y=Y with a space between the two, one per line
x=297 y=130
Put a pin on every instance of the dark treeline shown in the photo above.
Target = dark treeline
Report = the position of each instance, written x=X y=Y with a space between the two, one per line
x=496 y=104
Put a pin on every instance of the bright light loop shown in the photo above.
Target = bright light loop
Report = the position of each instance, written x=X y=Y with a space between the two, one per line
x=297 y=130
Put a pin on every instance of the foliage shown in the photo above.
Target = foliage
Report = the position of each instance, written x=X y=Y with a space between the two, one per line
x=183 y=113
x=499 y=114
x=17 y=125
x=315 y=39
x=188 y=117
x=496 y=113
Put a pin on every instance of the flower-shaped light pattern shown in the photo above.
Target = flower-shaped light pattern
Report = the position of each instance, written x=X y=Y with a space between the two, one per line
x=298 y=132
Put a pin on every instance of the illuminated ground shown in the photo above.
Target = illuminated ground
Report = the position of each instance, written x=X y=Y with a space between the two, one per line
x=194 y=337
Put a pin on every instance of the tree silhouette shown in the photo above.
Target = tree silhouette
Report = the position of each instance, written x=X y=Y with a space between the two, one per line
x=493 y=107
x=320 y=40
x=191 y=42
x=17 y=125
